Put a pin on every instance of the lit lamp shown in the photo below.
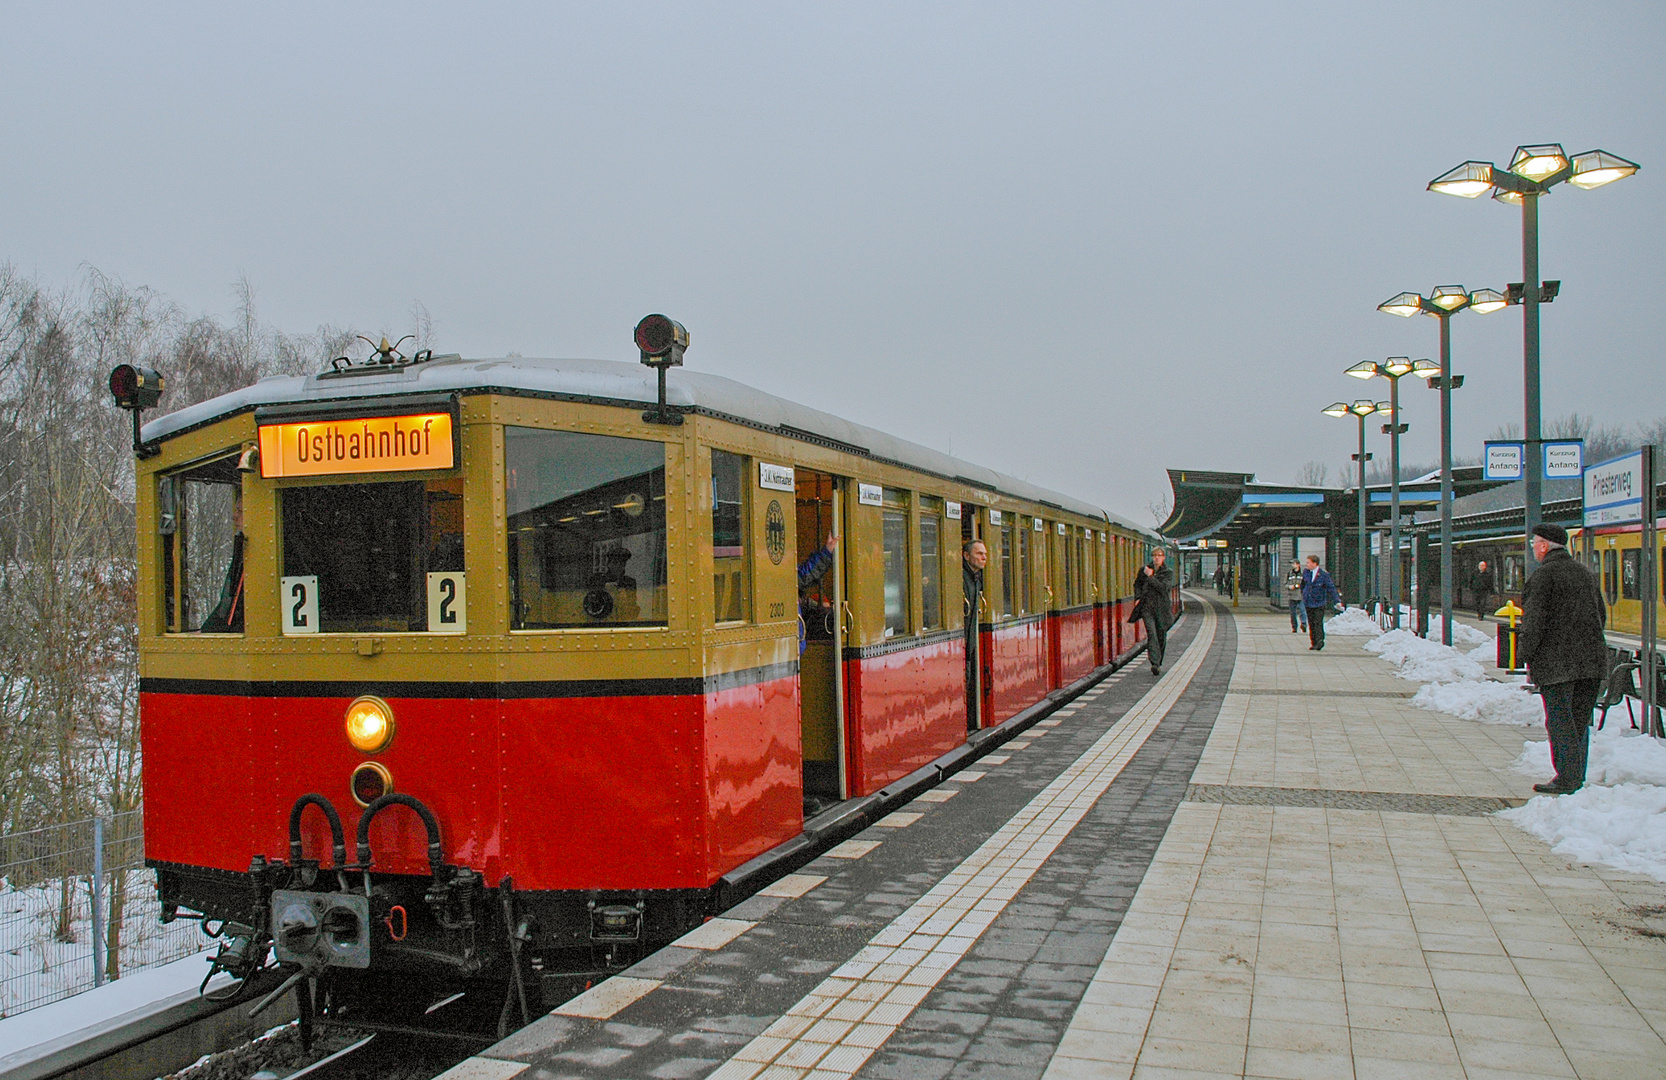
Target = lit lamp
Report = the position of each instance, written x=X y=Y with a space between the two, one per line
x=1533 y=171
x=1393 y=369
x=1444 y=302
x=1361 y=409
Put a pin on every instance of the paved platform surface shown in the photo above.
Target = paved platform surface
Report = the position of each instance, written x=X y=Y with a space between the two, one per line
x=1264 y=864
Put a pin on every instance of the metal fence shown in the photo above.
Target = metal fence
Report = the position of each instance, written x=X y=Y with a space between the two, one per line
x=78 y=907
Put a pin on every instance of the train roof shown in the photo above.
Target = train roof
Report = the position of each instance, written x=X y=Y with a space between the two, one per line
x=615 y=383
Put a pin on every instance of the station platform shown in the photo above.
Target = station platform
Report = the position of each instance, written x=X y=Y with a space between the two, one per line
x=1264 y=863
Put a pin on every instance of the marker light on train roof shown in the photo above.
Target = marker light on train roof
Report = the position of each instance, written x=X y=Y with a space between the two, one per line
x=369 y=724
x=135 y=387
x=661 y=341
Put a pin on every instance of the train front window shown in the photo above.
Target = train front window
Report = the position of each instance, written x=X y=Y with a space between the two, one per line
x=372 y=549
x=200 y=519
x=586 y=530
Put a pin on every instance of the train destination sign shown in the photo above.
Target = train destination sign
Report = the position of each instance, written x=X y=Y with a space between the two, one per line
x=369 y=444
x=1614 y=491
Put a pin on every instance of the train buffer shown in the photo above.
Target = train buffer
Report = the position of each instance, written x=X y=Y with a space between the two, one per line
x=1264 y=863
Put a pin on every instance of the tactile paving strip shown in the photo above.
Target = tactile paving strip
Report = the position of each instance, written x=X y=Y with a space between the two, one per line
x=1331 y=799
x=832 y=1031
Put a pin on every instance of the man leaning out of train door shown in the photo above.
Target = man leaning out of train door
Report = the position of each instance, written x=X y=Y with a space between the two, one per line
x=1565 y=651
x=1152 y=586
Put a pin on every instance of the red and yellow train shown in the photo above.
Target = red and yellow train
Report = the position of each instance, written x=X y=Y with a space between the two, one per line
x=474 y=669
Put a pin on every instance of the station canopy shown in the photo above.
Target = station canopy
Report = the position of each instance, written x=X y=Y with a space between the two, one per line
x=1235 y=508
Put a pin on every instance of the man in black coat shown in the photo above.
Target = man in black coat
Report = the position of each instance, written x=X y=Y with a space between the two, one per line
x=974 y=556
x=1483 y=586
x=1562 y=643
x=1152 y=586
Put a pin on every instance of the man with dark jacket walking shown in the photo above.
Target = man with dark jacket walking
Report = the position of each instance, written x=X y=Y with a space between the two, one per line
x=1152 y=586
x=1319 y=595
x=1562 y=643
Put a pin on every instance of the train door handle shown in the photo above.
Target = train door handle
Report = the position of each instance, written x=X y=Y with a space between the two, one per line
x=1049 y=589
x=849 y=618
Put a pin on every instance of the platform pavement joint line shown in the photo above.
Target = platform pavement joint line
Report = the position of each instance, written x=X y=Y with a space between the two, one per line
x=845 y=1019
x=835 y=1029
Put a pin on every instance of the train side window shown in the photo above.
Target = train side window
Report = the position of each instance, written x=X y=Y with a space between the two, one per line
x=894 y=538
x=200 y=519
x=1069 y=583
x=731 y=596
x=372 y=547
x=1006 y=569
x=1631 y=565
x=931 y=563
x=1024 y=585
x=586 y=529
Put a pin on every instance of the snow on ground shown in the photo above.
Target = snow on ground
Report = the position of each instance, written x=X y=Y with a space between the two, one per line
x=1488 y=702
x=1353 y=622
x=1422 y=660
x=138 y=990
x=1617 y=819
x=1622 y=826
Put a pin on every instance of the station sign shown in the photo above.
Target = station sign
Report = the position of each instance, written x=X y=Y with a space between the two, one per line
x=360 y=445
x=1564 y=459
x=1504 y=461
x=1614 y=491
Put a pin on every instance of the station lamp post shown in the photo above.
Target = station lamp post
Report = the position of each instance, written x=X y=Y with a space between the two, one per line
x=1394 y=369
x=1442 y=304
x=1361 y=409
x=1533 y=171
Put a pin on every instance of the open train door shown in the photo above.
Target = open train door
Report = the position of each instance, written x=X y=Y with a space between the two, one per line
x=820 y=514
x=971 y=529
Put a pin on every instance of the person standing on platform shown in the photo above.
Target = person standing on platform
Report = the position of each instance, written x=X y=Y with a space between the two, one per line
x=1293 y=597
x=1319 y=595
x=974 y=556
x=1483 y=586
x=1562 y=643
x=1152 y=586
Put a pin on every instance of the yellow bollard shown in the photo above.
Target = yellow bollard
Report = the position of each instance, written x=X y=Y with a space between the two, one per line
x=1507 y=638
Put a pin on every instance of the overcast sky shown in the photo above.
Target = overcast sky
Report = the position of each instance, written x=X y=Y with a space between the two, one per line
x=1081 y=243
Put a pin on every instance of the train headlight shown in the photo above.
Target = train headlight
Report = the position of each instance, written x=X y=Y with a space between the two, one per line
x=369 y=724
x=370 y=782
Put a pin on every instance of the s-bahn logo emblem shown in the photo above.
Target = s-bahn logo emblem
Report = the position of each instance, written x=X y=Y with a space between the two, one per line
x=775 y=532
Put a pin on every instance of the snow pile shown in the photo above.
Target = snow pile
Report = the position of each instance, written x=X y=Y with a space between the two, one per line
x=1488 y=702
x=1462 y=634
x=1622 y=826
x=1618 y=755
x=1353 y=622
x=1421 y=660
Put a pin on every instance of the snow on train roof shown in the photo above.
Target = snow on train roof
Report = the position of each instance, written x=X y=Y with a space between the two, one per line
x=611 y=381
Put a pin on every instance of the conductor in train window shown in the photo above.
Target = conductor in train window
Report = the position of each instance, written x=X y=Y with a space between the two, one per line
x=226 y=617
x=612 y=592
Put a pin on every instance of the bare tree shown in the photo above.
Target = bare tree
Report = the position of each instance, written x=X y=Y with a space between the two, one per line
x=1313 y=474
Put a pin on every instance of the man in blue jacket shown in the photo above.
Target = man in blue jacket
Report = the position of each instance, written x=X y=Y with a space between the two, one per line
x=1318 y=596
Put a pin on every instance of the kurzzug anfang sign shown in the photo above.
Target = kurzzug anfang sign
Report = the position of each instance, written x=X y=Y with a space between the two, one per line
x=364 y=444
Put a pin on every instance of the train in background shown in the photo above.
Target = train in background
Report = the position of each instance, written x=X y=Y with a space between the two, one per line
x=461 y=672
